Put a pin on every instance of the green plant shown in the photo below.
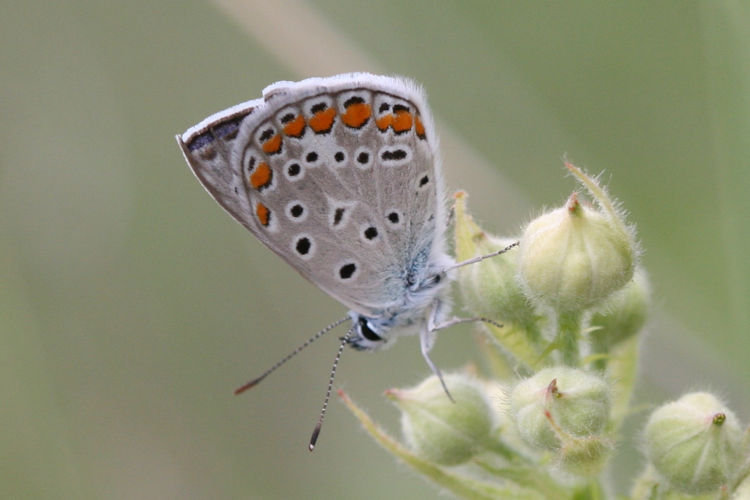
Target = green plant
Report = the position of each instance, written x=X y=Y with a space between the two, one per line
x=573 y=300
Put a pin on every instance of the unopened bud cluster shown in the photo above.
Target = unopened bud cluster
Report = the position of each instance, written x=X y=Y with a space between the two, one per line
x=572 y=300
x=575 y=270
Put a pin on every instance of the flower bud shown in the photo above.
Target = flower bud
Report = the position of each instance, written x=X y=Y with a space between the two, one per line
x=584 y=456
x=558 y=405
x=695 y=443
x=573 y=257
x=624 y=313
x=440 y=430
x=489 y=288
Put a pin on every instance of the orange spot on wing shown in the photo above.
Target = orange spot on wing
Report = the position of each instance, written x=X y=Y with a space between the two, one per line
x=356 y=114
x=272 y=145
x=384 y=122
x=264 y=215
x=419 y=127
x=322 y=121
x=261 y=176
x=402 y=122
x=295 y=127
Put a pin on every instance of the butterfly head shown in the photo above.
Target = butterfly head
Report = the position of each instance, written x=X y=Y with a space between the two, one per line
x=369 y=333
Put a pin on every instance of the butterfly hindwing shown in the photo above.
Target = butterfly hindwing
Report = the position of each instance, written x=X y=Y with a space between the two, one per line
x=207 y=148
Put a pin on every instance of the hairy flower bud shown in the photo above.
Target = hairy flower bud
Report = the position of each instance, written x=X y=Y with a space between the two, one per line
x=624 y=313
x=490 y=288
x=584 y=456
x=557 y=403
x=694 y=443
x=574 y=257
x=440 y=430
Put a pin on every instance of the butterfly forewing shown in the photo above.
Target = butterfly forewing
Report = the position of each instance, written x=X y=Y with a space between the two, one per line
x=338 y=176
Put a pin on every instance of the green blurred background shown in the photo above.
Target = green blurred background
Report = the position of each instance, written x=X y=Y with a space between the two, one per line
x=131 y=305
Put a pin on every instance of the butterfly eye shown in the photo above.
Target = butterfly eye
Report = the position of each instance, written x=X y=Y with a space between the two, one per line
x=367 y=331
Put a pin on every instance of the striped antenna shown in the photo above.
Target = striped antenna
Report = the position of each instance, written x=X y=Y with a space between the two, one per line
x=289 y=356
x=316 y=431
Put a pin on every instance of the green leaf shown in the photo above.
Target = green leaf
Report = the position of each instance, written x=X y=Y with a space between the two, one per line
x=621 y=370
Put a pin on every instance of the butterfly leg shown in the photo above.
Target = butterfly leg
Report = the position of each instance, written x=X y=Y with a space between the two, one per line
x=426 y=338
x=457 y=321
x=435 y=323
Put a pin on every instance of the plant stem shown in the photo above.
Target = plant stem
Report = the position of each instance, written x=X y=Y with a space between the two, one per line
x=568 y=333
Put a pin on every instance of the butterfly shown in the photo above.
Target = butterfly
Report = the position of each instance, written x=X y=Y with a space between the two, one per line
x=340 y=176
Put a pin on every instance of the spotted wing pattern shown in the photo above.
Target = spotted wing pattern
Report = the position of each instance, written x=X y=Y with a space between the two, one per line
x=339 y=176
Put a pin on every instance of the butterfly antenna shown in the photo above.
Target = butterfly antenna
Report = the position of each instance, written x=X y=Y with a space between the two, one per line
x=319 y=425
x=481 y=257
x=289 y=356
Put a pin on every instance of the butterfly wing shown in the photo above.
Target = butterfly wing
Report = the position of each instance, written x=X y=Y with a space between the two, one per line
x=339 y=176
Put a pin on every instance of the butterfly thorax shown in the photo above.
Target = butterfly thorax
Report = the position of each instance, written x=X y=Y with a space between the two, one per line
x=425 y=297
